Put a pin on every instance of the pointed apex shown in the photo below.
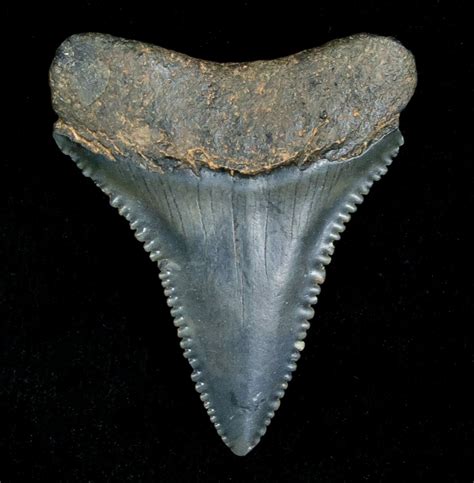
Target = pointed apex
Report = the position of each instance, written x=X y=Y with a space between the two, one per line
x=241 y=424
x=241 y=447
x=242 y=420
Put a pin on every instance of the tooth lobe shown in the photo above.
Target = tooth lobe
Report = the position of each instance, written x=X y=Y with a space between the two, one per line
x=238 y=257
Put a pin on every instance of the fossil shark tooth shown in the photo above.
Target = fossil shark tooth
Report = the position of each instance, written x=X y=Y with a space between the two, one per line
x=238 y=178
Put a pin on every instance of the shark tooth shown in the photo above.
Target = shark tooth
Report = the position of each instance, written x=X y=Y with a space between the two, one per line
x=238 y=178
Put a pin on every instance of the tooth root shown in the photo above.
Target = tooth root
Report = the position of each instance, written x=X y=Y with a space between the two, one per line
x=240 y=266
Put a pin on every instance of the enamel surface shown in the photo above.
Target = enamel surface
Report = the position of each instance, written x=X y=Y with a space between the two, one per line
x=241 y=260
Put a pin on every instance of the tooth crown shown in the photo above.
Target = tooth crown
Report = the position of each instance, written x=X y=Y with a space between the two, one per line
x=241 y=260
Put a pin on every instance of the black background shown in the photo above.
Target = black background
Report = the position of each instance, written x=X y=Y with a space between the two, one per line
x=93 y=385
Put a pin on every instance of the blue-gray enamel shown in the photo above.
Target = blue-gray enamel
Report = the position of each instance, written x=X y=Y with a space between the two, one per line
x=241 y=259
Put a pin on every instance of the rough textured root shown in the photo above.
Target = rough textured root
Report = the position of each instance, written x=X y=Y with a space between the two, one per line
x=290 y=119
x=317 y=277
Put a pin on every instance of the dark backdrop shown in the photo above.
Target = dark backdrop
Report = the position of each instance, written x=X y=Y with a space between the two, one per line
x=93 y=384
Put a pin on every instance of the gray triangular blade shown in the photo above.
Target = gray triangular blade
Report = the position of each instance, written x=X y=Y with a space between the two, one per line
x=241 y=260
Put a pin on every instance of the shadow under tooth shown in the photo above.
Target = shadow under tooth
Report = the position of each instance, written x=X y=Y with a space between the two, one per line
x=240 y=259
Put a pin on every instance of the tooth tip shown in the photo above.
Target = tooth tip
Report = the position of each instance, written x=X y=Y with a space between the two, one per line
x=242 y=429
x=241 y=449
x=242 y=444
